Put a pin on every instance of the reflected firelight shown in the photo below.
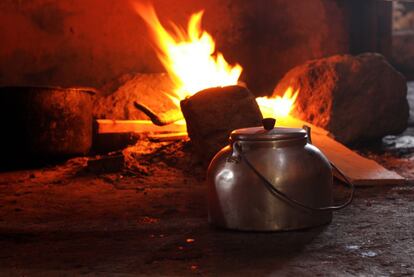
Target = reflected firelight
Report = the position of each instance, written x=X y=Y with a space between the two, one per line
x=225 y=179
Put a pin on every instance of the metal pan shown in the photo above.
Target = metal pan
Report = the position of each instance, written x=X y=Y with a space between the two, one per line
x=43 y=123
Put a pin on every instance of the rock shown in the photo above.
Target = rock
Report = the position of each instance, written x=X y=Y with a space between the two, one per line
x=356 y=98
x=213 y=113
x=148 y=89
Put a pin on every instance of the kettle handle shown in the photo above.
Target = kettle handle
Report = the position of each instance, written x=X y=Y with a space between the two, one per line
x=281 y=195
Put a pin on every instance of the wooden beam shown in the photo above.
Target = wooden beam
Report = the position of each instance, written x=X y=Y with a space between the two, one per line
x=168 y=137
x=362 y=171
x=105 y=126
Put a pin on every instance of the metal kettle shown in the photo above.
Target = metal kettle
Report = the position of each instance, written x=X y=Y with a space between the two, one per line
x=270 y=179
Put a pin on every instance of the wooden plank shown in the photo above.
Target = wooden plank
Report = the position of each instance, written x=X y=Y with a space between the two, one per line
x=168 y=136
x=105 y=126
x=360 y=170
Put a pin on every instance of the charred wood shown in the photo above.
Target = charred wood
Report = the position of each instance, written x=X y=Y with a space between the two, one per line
x=213 y=113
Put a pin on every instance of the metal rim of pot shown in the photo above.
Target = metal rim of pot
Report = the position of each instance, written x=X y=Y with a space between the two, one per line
x=30 y=137
x=89 y=90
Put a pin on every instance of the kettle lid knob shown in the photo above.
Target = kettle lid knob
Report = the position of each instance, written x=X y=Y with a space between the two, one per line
x=268 y=123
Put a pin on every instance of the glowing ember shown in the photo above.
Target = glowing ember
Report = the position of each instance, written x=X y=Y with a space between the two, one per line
x=278 y=106
x=189 y=55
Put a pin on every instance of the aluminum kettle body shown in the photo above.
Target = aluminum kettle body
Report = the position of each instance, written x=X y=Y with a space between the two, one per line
x=238 y=197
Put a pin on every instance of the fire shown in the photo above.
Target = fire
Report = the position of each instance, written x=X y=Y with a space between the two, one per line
x=193 y=64
x=189 y=56
x=279 y=106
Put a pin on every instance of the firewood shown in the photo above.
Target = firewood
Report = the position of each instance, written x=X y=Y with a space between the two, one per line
x=104 y=126
x=168 y=137
x=213 y=113
x=360 y=170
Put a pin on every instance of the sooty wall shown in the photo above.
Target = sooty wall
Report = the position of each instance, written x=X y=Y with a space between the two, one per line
x=89 y=42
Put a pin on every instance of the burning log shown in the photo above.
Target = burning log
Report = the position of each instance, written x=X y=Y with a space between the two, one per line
x=109 y=126
x=111 y=135
x=213 y=113
x=355 y=98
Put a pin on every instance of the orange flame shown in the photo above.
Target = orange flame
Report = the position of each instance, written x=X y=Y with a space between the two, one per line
x=189 y=55
x=278 y=106
x=191 y=60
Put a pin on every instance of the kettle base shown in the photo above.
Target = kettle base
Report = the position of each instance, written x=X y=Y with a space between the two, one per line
x=276 y=226
x=293 y=229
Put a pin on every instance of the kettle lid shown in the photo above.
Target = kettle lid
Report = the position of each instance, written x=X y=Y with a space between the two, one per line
x=267 y=132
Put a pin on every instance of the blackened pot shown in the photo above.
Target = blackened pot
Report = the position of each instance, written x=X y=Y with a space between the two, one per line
x=44 y=123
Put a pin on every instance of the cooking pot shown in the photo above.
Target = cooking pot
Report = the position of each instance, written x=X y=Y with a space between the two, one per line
x=43 y=123
x=271 y=179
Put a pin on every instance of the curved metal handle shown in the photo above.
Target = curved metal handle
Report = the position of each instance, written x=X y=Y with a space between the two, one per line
x=281 y=195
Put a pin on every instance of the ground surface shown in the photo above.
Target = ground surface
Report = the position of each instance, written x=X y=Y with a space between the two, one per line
x=151 y=219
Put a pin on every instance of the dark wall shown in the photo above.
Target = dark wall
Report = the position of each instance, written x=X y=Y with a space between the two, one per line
x=88 y=42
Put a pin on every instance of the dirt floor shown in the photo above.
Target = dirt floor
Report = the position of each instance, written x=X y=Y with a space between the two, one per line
x=150 y=218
